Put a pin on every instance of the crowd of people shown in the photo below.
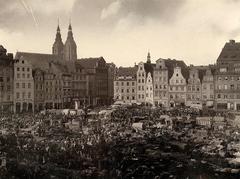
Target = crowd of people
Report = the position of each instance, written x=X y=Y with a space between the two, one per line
x=46 y=146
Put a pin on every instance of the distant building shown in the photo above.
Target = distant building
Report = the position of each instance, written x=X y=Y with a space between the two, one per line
x=112 y=70
x=23 y=86
x=227 y=78
x=6 y=80
x=125 y=85
x=141 y=83
x=62 y=80
x=177 y=88
x=208 y=88
x=194 y=91
x=145 y=82
x=160 y=84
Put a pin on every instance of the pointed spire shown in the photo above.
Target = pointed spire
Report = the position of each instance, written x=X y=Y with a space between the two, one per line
x=148 y=57
x=57 y=48
x=58 y=28
x=70 y=26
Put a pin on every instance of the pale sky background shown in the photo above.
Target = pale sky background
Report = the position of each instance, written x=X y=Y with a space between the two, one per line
x=122 y=31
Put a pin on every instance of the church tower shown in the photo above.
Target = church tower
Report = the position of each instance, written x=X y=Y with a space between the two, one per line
x=148 y=58
x=70 y=47
x=57 y=48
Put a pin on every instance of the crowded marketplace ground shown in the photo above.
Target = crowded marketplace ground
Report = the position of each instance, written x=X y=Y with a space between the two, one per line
x=120 y=142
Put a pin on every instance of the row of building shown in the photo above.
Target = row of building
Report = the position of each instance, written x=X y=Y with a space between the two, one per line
x=170 y=83
x=33 y=82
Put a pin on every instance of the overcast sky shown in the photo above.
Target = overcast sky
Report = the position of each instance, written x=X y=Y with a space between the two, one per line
x=122 y=31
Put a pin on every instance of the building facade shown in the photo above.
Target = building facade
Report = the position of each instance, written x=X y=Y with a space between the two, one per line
x=177 y=88
x=160 y=85
x=6 y=81
x=23 y=97
x=194 y=90
x=125 y=85
x=208 y=89
x=227 y=78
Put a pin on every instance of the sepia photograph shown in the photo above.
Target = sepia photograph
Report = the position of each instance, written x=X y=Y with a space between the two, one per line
x=119 y=89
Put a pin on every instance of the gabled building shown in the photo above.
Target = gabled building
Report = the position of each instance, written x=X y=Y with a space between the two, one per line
x=62 y=80
x=227 y=78
x=145 y=82
x=23 y=97
x=160 y=85
x=178 y=85
x=208 y=88
x=194 y=90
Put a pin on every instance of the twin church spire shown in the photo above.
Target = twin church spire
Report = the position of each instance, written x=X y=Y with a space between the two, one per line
x=67 y=51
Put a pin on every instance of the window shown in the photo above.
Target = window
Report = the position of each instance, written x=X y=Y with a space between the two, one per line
x=133 y=83
x=23 y=85
x=133 y=97
x=29 y=95
x=142 y=80
x=127 y=90
x=18 y=75
x=23 y=69
x=29 y=85
x=17 y=85
x=133 y=90
x=225 y=87
x=18 y=69
x=23 y=75
x=127 y=83
x=23 y=95
x=28 y=75
x=28 y=69
x=1 y=79
x=122 y=90
x=117 y=83
x=17 y=95
x=211 y=86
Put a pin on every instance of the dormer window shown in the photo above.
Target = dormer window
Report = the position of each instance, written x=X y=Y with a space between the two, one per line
x=177 y=74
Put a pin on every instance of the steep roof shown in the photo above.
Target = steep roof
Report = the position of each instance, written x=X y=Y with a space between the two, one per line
x=230 y=52
x=89 y=63
x=127 y=71
x=171 y=64
x=43 y=61
x=149 y=68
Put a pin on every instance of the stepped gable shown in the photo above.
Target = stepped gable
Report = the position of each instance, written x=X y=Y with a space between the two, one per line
x=171 y=64
x=149 y=68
